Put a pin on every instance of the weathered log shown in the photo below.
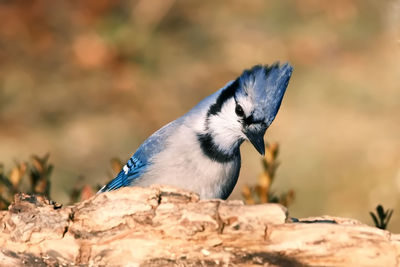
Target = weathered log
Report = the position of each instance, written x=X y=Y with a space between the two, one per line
x=166 y=226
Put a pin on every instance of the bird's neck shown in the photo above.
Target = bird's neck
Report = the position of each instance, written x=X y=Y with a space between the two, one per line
x=218 y=149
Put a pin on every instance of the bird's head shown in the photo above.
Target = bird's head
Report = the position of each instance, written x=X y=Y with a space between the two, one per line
x=247 y=106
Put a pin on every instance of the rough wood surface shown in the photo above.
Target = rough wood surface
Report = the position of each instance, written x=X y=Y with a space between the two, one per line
x=162 y=226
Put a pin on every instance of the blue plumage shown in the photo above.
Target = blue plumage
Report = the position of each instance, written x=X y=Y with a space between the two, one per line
x=200 y=150
x=132 y=170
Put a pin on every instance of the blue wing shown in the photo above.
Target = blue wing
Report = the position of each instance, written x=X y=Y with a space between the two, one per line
x=138 y=163
x=133 y=169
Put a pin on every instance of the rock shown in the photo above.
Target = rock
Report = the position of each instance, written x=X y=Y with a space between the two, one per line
x=163 y=226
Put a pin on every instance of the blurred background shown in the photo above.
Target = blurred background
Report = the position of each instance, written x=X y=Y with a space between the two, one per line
x=90 y=80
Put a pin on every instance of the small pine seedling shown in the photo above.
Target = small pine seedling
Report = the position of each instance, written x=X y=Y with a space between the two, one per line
x=261 y=192
x=382 y=217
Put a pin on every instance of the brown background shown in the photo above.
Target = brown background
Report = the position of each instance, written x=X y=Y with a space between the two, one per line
x=87 y=81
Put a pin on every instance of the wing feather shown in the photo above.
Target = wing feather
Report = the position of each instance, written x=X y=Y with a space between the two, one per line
x=132 y=170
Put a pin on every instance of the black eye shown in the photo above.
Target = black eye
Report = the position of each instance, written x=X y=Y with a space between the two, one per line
x=239 y=111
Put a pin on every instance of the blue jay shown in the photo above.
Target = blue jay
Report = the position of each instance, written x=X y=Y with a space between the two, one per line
x=200 y=150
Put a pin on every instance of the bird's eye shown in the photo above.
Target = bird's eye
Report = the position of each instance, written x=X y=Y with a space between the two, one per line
x=239 y=111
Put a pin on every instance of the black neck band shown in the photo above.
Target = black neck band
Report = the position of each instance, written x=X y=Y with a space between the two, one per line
x=211 y=150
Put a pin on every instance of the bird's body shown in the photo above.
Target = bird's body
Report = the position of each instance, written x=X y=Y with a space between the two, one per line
x=200 y=150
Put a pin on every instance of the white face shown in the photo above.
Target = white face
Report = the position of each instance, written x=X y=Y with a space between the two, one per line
x=226 y=127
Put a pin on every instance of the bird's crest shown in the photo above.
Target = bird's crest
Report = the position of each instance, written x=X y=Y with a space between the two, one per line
x=264 y=86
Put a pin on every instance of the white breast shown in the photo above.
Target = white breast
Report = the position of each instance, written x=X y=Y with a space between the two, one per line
x=184 y=165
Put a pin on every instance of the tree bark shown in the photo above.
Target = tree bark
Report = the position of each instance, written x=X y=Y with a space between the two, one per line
x=164 y=226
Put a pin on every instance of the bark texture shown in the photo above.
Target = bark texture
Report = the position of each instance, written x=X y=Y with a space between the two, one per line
x=163 y=226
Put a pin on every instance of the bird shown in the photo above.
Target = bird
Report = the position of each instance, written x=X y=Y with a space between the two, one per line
x=200 y=151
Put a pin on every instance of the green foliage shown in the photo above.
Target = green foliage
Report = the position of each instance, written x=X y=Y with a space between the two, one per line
x=382 y=217
x=39 y=175
x=32 y=177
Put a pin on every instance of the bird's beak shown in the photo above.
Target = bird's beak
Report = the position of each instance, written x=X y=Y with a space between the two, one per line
x=257 y=139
